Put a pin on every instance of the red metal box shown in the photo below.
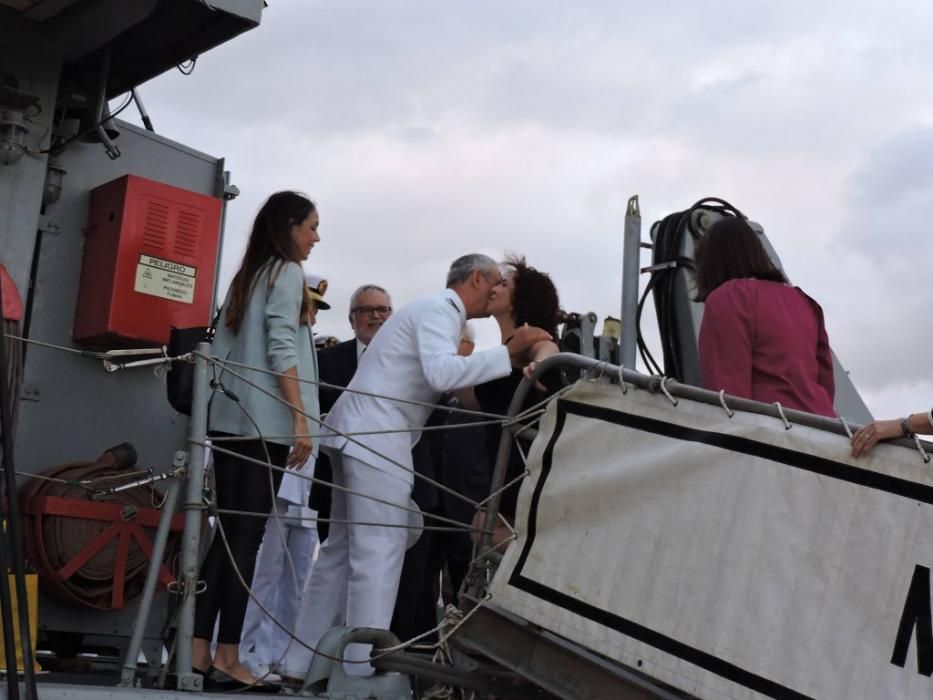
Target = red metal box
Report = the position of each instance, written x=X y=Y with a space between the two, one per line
x=150 y=255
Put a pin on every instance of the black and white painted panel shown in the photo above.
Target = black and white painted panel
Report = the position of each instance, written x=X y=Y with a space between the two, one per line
x=728 y=557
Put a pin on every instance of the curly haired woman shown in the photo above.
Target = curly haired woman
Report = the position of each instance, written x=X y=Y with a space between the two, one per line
x=524 y=297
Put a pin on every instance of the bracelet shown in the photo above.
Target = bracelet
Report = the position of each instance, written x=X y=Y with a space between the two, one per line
x=905 y=428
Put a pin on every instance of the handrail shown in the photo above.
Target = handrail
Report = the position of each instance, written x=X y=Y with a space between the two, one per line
x=654 y=384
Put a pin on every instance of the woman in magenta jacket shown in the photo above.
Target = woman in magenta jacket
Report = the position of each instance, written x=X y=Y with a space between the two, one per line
x=760 y=338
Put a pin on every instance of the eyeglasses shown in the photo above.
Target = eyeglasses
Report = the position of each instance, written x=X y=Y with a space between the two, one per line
x=371 y=310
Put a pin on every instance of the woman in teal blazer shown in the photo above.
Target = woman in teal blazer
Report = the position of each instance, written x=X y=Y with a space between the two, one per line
x=264 y=325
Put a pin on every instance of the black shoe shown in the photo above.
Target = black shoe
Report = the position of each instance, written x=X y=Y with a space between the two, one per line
x=220 y=682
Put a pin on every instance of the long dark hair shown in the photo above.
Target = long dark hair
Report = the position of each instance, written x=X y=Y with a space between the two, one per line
x=730 y=250
x=534 y=296
x=270 y=242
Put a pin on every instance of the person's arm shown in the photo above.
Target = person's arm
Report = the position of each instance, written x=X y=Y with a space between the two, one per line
x=825 y=376
x=467 y=398
x=540 y=351
x=528 y=340
x=303 y=445
x=866 y=438
x=436 y=334
x=726 y=342
x=283 y=306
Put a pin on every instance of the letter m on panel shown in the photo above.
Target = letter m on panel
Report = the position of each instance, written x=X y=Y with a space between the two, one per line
x=916 y=615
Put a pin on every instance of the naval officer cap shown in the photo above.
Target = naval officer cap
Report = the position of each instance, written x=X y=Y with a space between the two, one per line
x=317 y=285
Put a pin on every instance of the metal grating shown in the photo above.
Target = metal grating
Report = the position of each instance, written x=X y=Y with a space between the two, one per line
x=155 y=228
x=187 y=232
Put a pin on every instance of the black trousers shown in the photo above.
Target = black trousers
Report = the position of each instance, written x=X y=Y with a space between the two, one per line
x=321 y=495
x=244 y=486
x=416 y=604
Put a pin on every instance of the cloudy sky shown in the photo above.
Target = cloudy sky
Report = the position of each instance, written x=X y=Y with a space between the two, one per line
x=426 y=129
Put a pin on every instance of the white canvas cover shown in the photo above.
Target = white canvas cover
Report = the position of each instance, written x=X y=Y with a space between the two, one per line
x=727 y=557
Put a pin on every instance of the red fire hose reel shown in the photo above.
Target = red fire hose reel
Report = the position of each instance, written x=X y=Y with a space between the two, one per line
x=94 y=553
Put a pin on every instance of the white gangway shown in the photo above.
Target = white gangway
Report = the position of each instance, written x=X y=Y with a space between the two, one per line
x=674 y=542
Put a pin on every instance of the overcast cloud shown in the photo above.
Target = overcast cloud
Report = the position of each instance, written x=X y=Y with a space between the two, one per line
x=424 y=130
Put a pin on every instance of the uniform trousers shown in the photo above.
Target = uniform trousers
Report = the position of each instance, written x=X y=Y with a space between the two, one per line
x=355 y=579
x=277 y=587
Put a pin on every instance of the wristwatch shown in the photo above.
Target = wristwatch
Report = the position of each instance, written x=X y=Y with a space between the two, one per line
x=905 y=428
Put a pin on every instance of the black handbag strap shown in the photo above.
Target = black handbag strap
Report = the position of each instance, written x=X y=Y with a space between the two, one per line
x=212 y=329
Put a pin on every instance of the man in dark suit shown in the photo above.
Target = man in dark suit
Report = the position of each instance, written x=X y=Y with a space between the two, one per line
x=370 y=306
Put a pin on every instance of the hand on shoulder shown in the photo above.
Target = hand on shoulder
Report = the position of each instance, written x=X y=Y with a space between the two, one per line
x=525 y=338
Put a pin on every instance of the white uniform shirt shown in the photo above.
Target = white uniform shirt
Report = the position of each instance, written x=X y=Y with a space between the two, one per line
x=413 y=357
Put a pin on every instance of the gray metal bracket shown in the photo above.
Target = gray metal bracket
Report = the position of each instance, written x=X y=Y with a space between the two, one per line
x=607 y=348
x=587 y=333
x=49 y=224
x=327 y=678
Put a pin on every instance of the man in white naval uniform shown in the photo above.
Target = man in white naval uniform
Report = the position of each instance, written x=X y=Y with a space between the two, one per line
x=413 y=357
